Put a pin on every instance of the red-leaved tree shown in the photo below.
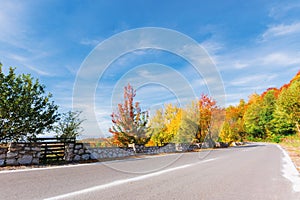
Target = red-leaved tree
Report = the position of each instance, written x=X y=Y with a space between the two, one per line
x=129 y=122
x=207 y=105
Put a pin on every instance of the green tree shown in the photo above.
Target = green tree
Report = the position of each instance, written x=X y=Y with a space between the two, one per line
x=189 y=124
x=69 y=125
x=267 y=110
x=25 y=109
x=253 y=125
x=287 y=113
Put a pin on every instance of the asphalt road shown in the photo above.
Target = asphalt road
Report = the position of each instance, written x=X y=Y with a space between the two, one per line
x=257 y=171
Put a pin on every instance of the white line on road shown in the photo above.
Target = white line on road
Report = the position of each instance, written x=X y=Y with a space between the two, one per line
x=289 y=170
x=123 y=181
x=83 y=164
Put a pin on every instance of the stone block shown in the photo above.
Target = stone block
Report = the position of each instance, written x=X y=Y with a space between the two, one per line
x=2 y=162
x=25 y=160
x=11 y=161
x=94 y=155
x=77 y=158
x=2 y=156
x=36 y=149
x=81 y=151
x=11 y=155
x=27 y=148
x=22 y=152
x=85 y=156
x=35 y=161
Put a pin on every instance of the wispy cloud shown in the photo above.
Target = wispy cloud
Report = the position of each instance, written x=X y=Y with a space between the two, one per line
x=250 y=79
x=281 y=58
x=90 y=42
x=281 y=30
x=283 y=8
x=27 y=62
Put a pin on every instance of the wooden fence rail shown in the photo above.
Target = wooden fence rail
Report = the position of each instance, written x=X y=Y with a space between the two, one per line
x=53 y=149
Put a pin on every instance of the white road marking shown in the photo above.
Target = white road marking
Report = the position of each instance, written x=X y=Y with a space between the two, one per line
x=89 y=164
x=124 y=181
x=289 y=170
x=79 y=165
x=45 y=168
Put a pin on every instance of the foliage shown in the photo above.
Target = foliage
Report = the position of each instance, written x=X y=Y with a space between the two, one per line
x=233 y=128
x=189 y=124
x=185 y=125
x=129 y=122
x=98 y=142
x=165 y=124
x=206 y=107
x=26 y=110
x=253 y=125
x=158 y=129
x=69 y=125
x=275 y=113
x=266 y=117
x=287 y=113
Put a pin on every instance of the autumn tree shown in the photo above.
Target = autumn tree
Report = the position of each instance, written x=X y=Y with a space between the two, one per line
x=158 y=129
x=233 y=127
x=129 y=121
x=206 y=108
x=25 y=110
x=165 y=124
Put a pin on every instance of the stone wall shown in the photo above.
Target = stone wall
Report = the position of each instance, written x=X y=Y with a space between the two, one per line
x=3 y=151
x=20 y=154
x=83 y=152
x=29 y=153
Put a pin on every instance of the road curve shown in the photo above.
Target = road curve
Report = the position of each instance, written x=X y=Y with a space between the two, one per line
x=256 y=171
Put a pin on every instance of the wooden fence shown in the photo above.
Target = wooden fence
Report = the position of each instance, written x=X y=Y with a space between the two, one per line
x=53 y=149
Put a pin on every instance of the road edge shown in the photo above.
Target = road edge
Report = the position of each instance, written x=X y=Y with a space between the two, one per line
x=289 y=170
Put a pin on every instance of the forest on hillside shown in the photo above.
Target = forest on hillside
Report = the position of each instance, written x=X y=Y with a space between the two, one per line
x=269 y=116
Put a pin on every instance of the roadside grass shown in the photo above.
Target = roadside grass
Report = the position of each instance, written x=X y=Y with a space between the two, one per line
x=292 y=145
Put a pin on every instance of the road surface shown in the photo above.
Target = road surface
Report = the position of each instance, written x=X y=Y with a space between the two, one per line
x=256 y=171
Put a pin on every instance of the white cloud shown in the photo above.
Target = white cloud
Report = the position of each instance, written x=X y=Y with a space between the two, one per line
x=283 y=8
x=281 y=58
x=90 y=42
x=211 y=46
x=250 y=79
x=27 y=62
x=240 y=65
x=281 y=30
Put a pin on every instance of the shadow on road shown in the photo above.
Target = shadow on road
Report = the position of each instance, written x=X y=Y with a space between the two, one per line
x=250 y=145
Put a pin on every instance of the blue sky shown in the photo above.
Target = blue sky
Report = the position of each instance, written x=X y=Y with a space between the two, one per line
x=253 y=44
